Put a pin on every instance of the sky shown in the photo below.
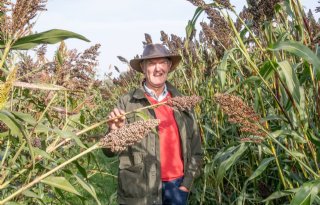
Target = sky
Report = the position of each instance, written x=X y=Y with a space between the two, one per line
x=119 y=26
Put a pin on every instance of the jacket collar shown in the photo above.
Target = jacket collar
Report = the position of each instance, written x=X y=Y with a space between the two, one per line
x=139 y=92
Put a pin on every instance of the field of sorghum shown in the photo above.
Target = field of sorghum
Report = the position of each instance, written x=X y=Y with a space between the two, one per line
x=258 y=76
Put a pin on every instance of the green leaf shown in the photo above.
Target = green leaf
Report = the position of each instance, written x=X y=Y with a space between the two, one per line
x=289 y=76
x=301 y=51
x=13 y=125
x=41 y=128
x=267 y=70
x=68 y=134
x=315 y=140
x=88 y=188
x=31 y=194
x=142 y=115
x=191 y=23
x=279 y=194
x=298 y=138
x=261 y=168
x=48 y=37
x=272 y=118
x=16 y=129
x=209 y=129
x=287 y=8
x=231 y=160
x=42 y=153
x=222 y=68
x=298 y=154
x=60 y=183
x=247 y=80
x=82 y=170
x=306 y=194
x=25 y=117
x=256 y=173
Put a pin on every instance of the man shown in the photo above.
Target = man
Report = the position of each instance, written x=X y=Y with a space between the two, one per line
x=162 y=167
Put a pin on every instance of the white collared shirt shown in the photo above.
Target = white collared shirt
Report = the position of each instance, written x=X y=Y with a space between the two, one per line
x=150 y=92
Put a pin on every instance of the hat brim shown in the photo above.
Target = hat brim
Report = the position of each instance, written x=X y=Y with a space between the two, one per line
x=136 y=63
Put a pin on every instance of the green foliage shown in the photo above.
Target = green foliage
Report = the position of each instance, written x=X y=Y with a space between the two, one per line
x=45 y=121
x=270 y=62
x=48 y=37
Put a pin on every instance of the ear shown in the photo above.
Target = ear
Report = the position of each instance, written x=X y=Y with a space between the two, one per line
x=142 y=67
x=170 y=64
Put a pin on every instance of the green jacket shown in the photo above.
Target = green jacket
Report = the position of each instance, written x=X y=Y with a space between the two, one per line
x=139 y=177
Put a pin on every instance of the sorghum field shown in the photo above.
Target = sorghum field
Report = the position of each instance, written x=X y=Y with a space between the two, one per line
x=258 y=75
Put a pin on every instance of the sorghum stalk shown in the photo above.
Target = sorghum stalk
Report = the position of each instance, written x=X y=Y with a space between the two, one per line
x=181 y=103
x=103 y=122
x=287 y=150
x=5 y=54
x=79 y=133
x=116 y=140
x=243 y=49
x=38 y=179
x=298 y=12
x=274 y=153
x=248 y=29
x=273 y=150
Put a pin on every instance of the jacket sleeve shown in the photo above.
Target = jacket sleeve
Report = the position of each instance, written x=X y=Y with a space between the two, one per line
x=107 y=151
x=195 y=162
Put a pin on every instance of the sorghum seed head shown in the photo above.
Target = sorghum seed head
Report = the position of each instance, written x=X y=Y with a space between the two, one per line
x=120 y=139
x=184 y=102
x=239 y=113
x=36 y=142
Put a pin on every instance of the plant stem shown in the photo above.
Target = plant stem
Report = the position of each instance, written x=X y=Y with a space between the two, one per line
x=38 y=179
x=243 y=50
x=287 y=150
x=103 y=122
x=78 y=133
x=5 y=54
x=273 y=150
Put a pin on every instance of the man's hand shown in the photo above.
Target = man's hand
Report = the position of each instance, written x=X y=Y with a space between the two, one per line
x=116 y=123
x=183 y=188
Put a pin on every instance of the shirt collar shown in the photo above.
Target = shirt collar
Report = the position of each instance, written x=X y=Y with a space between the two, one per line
x=150 y=92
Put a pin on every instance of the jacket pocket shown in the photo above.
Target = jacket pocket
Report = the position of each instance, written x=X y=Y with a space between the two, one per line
x=132 y=182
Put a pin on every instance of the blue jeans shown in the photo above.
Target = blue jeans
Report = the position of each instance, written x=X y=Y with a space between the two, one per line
x=172 y=195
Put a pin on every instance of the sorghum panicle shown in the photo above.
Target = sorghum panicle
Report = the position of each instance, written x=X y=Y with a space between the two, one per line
x=17 y=16
x=199 y=3
x=36 y=142
x=245 y=15
x=3 y=127
x=24 y=11
x=240 y=113
x=184 y=102
x=148 y=39
x=120 y=139
x=164 y=38
x=261 y=11
x=123 y=60
x=225 y=3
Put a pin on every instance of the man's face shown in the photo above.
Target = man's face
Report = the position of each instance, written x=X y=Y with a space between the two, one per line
x=156 y=71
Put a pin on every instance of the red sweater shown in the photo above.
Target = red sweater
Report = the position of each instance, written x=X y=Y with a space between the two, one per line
x=170 y=147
